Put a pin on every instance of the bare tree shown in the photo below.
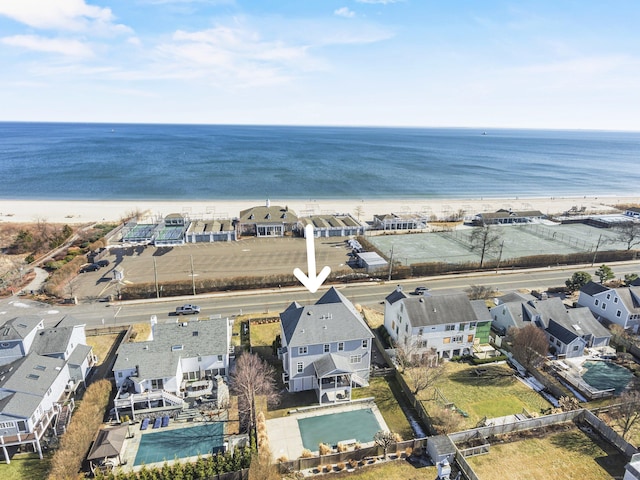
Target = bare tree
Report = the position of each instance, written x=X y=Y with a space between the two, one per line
x=485 y=240
x=252 y=377
x=421 y=369
x=384 y=439
x=629 y=234
x=529 y=345
x=628 y=413
x=359 y=211
x=481 y=292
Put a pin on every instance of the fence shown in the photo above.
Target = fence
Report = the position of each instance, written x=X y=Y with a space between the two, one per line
x=608 y=433
x=541 y=231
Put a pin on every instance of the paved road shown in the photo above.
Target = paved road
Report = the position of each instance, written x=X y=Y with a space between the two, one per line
x=275 y=300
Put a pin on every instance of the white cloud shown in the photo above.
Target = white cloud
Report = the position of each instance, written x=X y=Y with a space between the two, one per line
x=344 y=12
x=581 y=66
x=68 y=47
x=67 y=15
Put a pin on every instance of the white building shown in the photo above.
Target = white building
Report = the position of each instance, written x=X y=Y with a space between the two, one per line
x=617 y=305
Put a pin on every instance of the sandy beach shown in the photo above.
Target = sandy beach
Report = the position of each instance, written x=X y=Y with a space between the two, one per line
x=79 y=212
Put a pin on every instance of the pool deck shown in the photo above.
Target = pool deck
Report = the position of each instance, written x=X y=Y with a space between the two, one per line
x=131 y=445
x=284 y=435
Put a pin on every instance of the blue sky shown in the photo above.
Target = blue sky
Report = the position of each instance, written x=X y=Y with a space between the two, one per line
x=518 y=64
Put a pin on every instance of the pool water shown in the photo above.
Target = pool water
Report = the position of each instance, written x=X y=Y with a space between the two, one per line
x=605 y=375
x=180 y=443
x=332 y=428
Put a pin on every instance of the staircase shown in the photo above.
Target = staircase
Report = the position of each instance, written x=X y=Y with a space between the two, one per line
x=62 y=420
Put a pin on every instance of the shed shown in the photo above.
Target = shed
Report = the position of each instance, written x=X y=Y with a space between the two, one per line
x=107 y=447
x=371 y=261
x=441 y=447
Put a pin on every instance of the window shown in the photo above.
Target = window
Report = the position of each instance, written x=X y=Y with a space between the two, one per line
x=446 y=340
x=219 y=358
x=597 y=302
x=604 y=305
x=615 y=299
x=472 y=325
x=608 y=296
x=355 y=358
x=448 y=328
x=119 y=374
x=157 y=384
x=575 y=348
x=300 y=367
x=22 y=426
x=461 y=327
x=365 y=343
x=469 y=338
x=327 y=348
x=402 y=307
x=341 y=346
x=406 y=328
x=551 y=338
x=393 y=325
x=457 y=339
x=618 y=313
x=421 y=331
x=302 y=350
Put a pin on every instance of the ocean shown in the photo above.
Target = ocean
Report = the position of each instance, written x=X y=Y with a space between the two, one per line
x=75 y=161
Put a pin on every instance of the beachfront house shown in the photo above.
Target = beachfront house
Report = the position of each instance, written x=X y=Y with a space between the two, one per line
x=180 y=360
x=326 y=347
x=616 y=305
x=569 y=330
x=507 y=217
x=267 y=221
x=446 y=324
x=214 y=230
x=633 y=212
x=40 y=370
x=400 y=221
x=332 y=225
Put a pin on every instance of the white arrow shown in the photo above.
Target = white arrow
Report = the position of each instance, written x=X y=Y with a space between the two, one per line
x=312 y=282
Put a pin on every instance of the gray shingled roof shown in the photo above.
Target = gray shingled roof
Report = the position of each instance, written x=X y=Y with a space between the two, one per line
x=331 y=364
x=18 y=328
x=439 y=309
x=482 y=311
x=33 y=374
x=157 y=359
x=593 y=288
x=21 y=405
x=394 y=296
x=333 y=318
x=561 y=333
x=108 y=443
x=50 y=341
x=264 y=215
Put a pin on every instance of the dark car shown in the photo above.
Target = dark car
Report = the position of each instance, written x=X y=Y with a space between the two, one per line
x=103 y=263
x=92 y=267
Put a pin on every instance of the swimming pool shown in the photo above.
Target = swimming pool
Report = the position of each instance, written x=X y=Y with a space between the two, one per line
x=360 y=425
x=605 y=375
x=180 y=443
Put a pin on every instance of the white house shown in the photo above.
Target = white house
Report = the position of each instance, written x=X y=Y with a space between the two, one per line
x=338 y=225
x=180 y=360
x=39 y=368
x=617 y=305
x=326 y=347
x=442 y=323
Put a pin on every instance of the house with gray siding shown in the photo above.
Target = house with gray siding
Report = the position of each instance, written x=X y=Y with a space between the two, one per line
x=443 y=323
x=616 y=305
x=326 y=347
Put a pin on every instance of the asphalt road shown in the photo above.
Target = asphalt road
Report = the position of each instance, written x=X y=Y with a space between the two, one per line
x=276 y=300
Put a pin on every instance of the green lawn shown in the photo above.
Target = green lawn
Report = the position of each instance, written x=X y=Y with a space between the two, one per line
x=25 y=465
x=388 y=397
x=567 y=455
x=494 y=394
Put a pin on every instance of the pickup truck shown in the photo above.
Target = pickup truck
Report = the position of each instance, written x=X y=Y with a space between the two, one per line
x=188 y=309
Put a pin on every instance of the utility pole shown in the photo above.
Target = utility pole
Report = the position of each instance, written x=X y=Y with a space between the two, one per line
x=390 y=264
x=193 y=278
x=499 y=257
x=155 y=276
x=596 y=251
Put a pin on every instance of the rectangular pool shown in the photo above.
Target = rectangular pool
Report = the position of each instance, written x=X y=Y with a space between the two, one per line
x=180 y=443
x=332 y=428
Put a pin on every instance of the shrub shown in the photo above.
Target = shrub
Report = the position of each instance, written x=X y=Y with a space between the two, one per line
x=353 y=463
x=284 y=458
x=306 y=453
x=341 y=466
x=324 y=449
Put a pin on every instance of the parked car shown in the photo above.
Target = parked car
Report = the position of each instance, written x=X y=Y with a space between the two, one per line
x=188 y=309
x=420 y=290
x=103 y=263
x=92 y=267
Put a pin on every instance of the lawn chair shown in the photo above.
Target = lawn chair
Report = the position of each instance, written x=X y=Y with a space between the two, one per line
x=165 y=421
x=145 y=424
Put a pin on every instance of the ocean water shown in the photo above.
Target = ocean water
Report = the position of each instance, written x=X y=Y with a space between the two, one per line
x=63 y=161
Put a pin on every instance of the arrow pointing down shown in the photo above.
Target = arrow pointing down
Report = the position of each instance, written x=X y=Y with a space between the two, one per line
x=312 y=282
